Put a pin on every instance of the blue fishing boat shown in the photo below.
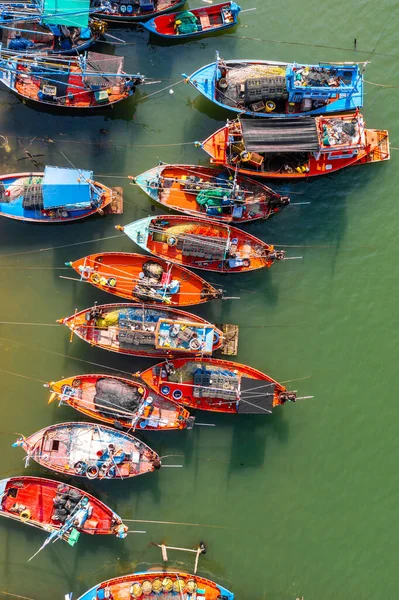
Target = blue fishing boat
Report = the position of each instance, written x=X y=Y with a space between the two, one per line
x=261 y=88
x=195 y=22
x=49 y=27
x=55 y=196
x=133 y=11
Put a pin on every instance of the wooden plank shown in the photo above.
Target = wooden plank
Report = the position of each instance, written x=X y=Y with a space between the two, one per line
x=230 y=335
x=116 y=205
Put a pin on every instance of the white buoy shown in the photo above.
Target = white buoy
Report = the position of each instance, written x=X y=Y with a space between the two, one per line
x=171 y=92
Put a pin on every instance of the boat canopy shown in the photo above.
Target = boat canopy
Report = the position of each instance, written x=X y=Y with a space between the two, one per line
x=62 y=12
x=66 y=188
x=260 y=396
x=280 y=135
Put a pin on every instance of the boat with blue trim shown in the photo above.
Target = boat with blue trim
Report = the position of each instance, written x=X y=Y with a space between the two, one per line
x=195 y=22
x=56 y=196
x=89 y=450
x=133 y=11
x=163 y=585
x=146 y=330
x=261 y=88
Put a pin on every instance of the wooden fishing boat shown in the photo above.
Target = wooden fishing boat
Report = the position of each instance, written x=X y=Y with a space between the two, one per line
x=195 y=22
x=55 y=196
x=89 y=450
x=133 y=11
x=297 y=148
x=209 y=192
x=201 y=243
x=62 y=510
x=262 y=88
x=217 y=386
x=143 y=279
x=145 y=330
x=86 y=81
x=158 y=584
x=120 y=402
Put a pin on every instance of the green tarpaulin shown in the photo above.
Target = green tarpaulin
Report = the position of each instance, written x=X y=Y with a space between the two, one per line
x=213 y=197
x=65 y=12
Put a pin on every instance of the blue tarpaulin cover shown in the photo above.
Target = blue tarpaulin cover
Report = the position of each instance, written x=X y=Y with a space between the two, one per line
x=66 y=188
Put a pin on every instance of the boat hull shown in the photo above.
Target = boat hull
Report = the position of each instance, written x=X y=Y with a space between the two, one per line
x=138 y=18
x=122 y=274
x=177 y=187
x=126 y=405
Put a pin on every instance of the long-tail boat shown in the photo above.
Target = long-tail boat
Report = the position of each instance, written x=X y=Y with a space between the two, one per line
x=296 y=148
x=195 y=22
x=48 y=27
x=201 y=243
x=63 y=511
x=89 y=450
x=209 y=192
x=144 y=279
x=91 y=80
x=55 y=196
x=146 y=330
x=164 y=585
x=120 y=402
x=262 y=88
x=131 y=11
x=217 y=385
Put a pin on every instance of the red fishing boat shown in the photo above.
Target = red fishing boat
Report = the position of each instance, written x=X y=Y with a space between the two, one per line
x=164 y=585
x=89 y=450
x=143 y=279
x=120 y=402
x=295 y=148
x=201 y=243
x=209 y=192
x=145 y=330
x=217 y=385
x=62 y=510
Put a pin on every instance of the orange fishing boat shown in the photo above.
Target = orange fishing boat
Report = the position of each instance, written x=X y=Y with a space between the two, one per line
x=210 y=192
x=120 y=402
x=89 y=450
x=293 y=148
x=143 y=279
x=217 y=385
x=201 y=243
x=145 y=330
x=63 y=511
x=164 y=585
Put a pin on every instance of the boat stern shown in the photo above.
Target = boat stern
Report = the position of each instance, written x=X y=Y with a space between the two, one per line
x=204 y=80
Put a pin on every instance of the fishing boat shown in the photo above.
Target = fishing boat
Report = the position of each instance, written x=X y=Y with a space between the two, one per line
x=214 y=193
x=58 y=195
x=91 y=80
x=261 y=88
x=145 y=330
x=89 y=450
x=164 y=585
x=217 y=385
x=144 y=279
x=201 y=244
x=63 y=511
x=296 y=148
x=133 y=11
x=195 y=22
x=49 y=27
x=121 y=402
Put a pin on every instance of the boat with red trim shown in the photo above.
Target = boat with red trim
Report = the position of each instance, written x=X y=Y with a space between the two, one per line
x=144 y=279
x=201 y=243
x=214 y=193
x=89 y=450
x=146 y=330
x=61 y=510
x=163 y=585
x=195 y=22
x=217 y=385
x=296 y=148
x=121 y=402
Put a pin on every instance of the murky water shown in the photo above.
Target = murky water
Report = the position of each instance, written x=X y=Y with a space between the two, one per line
x=306 y=500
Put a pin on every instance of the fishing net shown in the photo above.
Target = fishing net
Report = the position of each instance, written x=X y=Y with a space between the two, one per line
x=97 y=64
x=185 y=373
x=213 y=197
x=113 y=395
x=186 y=23
x=153 y=269
x=238 y=74
x=108 y=320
